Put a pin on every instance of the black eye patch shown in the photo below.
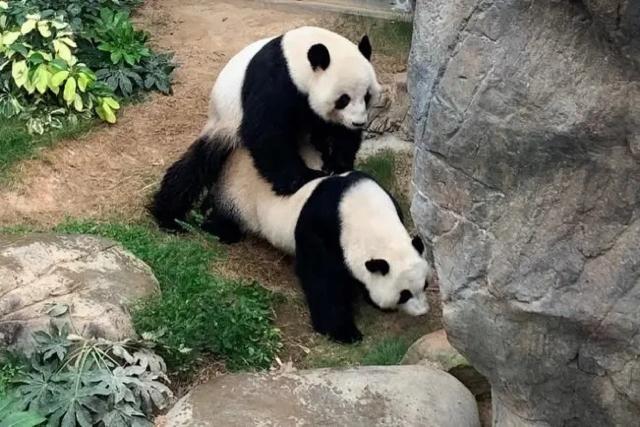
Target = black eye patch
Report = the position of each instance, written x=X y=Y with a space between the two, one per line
x=343 y=101
x=405 y=296
x=367 y=99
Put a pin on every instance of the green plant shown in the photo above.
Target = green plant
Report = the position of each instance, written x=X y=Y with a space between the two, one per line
x=10 y=417
x=387 y=352
x=44 y=81
x=72 y=380
x=115 y=35
x=199 y=313
x=8 y=370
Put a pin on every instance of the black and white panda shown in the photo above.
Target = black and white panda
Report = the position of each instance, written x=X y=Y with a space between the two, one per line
x=347 y=234
x=309 y=84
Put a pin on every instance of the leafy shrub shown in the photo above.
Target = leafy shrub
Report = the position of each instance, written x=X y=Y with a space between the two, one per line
x=42 y=74
x=71 y=380
x=198 y=313
x=49 y=51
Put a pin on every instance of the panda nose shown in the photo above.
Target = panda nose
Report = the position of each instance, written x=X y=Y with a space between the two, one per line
x=358 y=124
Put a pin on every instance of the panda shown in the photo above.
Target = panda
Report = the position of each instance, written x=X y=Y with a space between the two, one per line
x=309 y=84
x=346 y=233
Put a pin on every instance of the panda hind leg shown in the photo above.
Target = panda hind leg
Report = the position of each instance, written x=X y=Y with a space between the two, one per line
x=220 y=224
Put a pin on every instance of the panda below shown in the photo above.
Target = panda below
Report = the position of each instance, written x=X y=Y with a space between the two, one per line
x=308 y=84
x=346 y=233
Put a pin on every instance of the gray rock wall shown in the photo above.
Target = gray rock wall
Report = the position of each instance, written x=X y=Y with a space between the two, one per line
x=527 y=184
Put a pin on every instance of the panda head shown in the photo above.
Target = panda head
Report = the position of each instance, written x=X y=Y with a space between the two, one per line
x=399 y=281
x=334 y=73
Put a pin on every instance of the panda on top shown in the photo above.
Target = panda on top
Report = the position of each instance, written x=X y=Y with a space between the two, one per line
x=307 y=84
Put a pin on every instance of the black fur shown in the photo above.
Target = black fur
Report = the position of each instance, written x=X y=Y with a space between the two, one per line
x=185 y=180
x=329 y=286
x=276 y=115
x=318 y=56
x=365 y=47
x=417 y=244
x=379 y=266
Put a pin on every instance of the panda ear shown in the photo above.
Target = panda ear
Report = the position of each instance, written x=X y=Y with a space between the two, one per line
x=377 y=266
x=365 y=47
x=319 y=57
x=417 y=243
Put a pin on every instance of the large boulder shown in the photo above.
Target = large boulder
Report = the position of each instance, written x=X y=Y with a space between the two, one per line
x=366 y=396
x=527 y=186
x=89 y=280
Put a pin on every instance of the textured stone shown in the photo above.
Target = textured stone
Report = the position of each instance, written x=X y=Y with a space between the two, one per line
x=527 y=186
x=435 y=350
x=390 y=113
x=366 y=396
x=93 y=276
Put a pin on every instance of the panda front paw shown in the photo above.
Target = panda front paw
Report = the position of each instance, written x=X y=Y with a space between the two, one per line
x=347 y=335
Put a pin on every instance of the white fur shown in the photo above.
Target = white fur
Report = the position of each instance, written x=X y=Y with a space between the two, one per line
x=349 y=72
x=371 y=229
x=255 y=205
x=225 y=104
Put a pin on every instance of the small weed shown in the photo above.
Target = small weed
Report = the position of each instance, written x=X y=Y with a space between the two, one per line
x=198 y=312
x=9 y=369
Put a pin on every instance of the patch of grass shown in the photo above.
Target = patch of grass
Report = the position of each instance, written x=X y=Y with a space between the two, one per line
x=388 y=37
x=386 y=352
x=9 y=369
x=381 y=166
x=16 y=144
x=387 y=336
x=196 y=310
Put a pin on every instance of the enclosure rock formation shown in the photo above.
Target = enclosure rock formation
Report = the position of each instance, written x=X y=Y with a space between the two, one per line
x=88 y=280
x=358 y=397
x=527 y=185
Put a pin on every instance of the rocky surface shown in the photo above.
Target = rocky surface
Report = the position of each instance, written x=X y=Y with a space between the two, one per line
x=93 y=277
x=390 y=113
x=435 y=350
x=366 y=396
x=527 y=185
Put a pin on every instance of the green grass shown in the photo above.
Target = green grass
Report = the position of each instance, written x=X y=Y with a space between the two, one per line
x=388 y=37
x=16 y=144
x=386 y=352
x=381 y=166
x=9 y=369
x=197 y=310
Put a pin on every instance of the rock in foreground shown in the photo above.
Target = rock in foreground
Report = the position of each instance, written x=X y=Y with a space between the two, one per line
x=94 y=277
x=366 y=396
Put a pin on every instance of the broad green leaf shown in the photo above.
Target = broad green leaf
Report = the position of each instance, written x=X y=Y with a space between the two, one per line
x=30 y=86
x=112 y=103
x=43 y=29
x=77 y=103
x=58 y=65
x=19 y=72
x=58 y=78
x=58 y=25
x=69 y=93
x=4 y=5
x=10 y=37
x=28 y=26
x=68 y=41
x=57 y=310
x=34 y=16
x=62 y=50
x=22 y=419
x=83 y=81
x=3 y=21
x=105 y=113
x=41 y=78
